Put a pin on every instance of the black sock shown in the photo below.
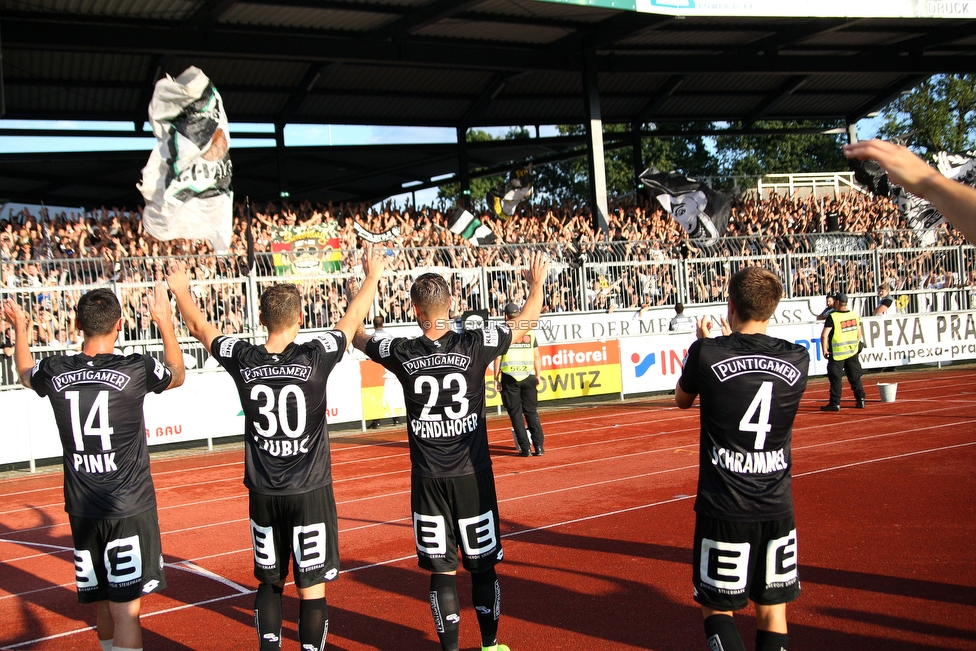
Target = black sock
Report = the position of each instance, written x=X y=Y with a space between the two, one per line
x=487 y=600
x=769 y=641
x=722 y=635
x=444 y=607
x=313 y=624
x=267 y=616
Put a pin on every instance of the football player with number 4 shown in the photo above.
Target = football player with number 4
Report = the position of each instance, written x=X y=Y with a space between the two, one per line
x=452 y=492
x=749 y=385
x=287 y=463
x=97 y=397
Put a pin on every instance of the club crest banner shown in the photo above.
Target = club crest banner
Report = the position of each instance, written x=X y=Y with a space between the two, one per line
x=306 y=250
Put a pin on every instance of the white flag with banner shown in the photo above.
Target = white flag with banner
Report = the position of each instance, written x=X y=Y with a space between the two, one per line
x=187 y=181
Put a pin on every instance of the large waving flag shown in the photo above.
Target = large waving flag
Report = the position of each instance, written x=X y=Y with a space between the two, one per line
x=470 y=228
x=702 y=212
x=187 y=181
x=504 y=200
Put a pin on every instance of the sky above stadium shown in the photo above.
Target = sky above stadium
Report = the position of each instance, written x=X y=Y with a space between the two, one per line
x=296 y=135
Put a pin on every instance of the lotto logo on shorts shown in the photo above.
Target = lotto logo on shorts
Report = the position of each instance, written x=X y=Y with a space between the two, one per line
x=430 y=533
x=724 y=566
x=478 y=534
x=263 y=544
x=781 y=561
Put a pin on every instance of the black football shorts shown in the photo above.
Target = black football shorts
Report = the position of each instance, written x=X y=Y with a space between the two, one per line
x=735 y=562
x=118 y=560
x=454 y=512
x=302 y=527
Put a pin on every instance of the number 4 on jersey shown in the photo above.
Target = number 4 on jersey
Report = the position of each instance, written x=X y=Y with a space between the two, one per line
x=760 y=403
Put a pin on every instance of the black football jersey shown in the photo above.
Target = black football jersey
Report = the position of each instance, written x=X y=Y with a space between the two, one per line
x=444 y=391
x=749 y=388
x=97 y=405
x=286 y=436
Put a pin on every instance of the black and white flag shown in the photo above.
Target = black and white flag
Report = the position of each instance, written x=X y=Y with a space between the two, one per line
x=702 y=212
x=470 y=228
x=919 y=213
x=375 y=238
x=187 y=181
x=504 y=199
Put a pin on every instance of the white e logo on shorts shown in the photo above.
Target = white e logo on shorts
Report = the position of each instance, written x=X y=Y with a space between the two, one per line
x=430 y=533
x=85 y=577
x=478 y=534
x=123 y=560
x=263 y=544
x=781 y=561
x=724 y=565
x=309 y=544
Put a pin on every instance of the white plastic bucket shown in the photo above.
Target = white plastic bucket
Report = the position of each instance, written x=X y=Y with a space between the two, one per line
x=888 y=391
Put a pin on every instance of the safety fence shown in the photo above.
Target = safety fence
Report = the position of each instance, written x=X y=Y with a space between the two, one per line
x=582 y=355
x=921 y=279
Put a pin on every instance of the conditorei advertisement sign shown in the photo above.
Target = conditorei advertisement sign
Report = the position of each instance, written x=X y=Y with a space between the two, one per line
x=797 y=8
x=579 y=369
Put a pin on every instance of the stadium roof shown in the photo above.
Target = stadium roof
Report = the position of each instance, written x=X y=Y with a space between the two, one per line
x=453 y=63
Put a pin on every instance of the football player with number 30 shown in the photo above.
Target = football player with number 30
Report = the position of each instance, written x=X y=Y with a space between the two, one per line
x=288 y=468
x=750 y=386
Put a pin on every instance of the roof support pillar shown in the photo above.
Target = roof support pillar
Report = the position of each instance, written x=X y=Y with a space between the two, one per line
x=594 y=143
x=464 y=179
x=636 y=143
x=282 y=161
x=851 y=133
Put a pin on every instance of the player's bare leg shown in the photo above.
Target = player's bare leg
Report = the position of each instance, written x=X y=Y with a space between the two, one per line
x=313 y=618
x=125 y=618
x=771 y=628
x=104 y=625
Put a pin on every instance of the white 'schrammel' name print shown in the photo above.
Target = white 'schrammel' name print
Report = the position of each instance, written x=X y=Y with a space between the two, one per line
x=437 y=361
x=749 y=463
x=107 y=377
x=285 y=371
x=735 y=366
x=433 y=429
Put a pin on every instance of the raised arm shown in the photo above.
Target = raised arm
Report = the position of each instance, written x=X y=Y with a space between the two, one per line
x=196 y=322
x=23 y=359
x=374 y=263
x=535 y=275
x=955 y=200
x=162 y=315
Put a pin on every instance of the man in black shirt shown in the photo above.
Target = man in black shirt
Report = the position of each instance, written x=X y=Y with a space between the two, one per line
x=452 y=486
x=97 y=398
x=750 y=387
x=287 y=463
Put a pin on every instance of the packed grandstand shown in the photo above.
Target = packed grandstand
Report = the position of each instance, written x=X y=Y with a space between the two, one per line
x=853 y=242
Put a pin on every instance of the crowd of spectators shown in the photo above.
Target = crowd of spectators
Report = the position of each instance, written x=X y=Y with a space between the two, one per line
x=642 y=259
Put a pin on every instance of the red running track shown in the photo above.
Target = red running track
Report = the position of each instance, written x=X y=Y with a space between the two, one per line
x=597 y=536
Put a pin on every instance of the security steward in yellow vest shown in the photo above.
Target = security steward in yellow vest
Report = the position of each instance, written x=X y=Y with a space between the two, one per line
x=517 y=378
x=841 y=342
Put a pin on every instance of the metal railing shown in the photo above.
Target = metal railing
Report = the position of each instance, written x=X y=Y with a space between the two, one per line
x=608 y=275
